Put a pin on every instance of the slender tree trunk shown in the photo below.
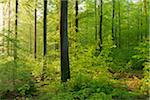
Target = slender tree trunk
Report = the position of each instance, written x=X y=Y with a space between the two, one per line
x=8 y=44
x=141 y=23
x=76 y=25
x=76 y=7
x=146 y=18
x=113 y=24
x=119 y=15
x=35 y=30
x=44 y=39
x=100 y=30
x=96 y=20
x=65 y=70
x=30 y=39
x=116 y=28
x=3 y=49
x=15 y=44
x=16 y=31
x=45 y=28
x=138 y=24
x=128 y=21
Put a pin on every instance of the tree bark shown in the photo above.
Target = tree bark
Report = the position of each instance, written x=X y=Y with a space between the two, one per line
x=45 y=28
x=76 y=24
x=65 y=70
x=44 y=40
x=113 y=24
x=15 y=45
x=100 y=29
x=16 y=31
x=35 y=30
x=96 y=20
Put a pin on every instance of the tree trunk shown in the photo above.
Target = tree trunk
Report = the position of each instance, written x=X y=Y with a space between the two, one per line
x=128 y=21
x=45 y=28
x=15 y=45
x=141 y=23
x=8 y=46
x=96 y=20
x=35 y=30
x=30 y=39
x=3 y=43
x=44 y=40
x=113 y=24
x=146 y=18
x=100 y=29
x=65 y=70
x=76 y=7
x=16 y=31
x=76 y=25
x=138 y=24
x=119 y=15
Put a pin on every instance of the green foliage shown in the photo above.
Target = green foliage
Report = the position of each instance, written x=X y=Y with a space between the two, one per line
x=143 y=57
x=145 y=88
x=17 y=77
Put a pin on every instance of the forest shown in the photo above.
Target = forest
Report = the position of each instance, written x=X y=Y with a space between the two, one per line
x=74 y=50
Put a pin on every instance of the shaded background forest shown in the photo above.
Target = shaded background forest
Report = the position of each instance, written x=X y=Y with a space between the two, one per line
x=108 y=50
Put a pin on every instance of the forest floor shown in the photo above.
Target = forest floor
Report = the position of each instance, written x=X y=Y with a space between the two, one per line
x=127 y=83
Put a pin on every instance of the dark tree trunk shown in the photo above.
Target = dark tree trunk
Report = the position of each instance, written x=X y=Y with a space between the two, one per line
x=76 y=24
x=15 y=45
x=65 y=70
x=16 y=31
x=113 y=23
x=101 y=23
x=96 y=20
x=35 y=30
x=45 y=28
x=44 y=40
x=141 y=23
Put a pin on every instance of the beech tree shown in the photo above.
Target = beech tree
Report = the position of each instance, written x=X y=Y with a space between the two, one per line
x=65 y=70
